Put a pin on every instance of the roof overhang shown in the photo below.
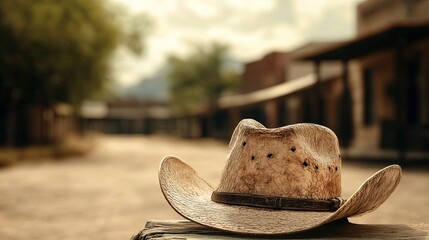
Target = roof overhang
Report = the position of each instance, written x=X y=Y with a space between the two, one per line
x=361 y=45
x=266 y=94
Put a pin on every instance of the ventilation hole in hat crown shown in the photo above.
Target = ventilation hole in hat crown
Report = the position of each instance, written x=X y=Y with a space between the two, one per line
x=329 y=167
x=336 y=168
x=243 y=144
x=252 y=158
x=293 y=149
x=305 y=164
x=316 y=167
x=270 y=155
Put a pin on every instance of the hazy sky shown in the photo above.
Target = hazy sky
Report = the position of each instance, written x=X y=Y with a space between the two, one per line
x=251 y=28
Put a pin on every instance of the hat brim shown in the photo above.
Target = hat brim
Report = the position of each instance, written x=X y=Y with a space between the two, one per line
x=190 y=196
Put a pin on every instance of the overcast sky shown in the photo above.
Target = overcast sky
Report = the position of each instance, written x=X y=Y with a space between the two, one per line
x=251 y=28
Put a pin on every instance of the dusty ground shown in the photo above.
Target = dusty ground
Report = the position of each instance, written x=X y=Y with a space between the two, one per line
x=113 y=191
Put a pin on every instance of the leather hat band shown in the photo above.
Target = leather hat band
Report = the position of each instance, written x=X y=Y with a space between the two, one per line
x=284 y=203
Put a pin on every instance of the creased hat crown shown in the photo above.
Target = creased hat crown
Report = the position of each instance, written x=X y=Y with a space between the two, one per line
x=297 y=161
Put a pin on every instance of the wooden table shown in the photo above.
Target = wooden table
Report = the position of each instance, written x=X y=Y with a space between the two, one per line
x=183 y=229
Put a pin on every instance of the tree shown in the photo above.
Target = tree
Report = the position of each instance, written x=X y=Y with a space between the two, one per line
x=55 y=51
x=200 y=79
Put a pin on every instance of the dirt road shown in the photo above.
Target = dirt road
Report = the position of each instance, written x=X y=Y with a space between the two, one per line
x=112 y=192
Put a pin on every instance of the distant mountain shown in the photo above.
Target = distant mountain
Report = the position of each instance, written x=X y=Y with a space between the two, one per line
x=156 y=87
x=232 y=64
x=153 y=88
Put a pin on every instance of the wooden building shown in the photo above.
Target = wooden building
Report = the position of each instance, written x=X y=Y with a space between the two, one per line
x=126 y=117
x=372 y=90
x=37 y=125
x=387 y=94
x=277 y=90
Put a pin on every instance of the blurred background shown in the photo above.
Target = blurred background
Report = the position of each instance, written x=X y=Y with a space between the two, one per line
x=94 y=93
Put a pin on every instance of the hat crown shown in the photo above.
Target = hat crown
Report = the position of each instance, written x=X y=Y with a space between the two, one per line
x=297 y=161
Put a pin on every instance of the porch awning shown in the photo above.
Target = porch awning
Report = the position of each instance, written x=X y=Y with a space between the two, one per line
x=387 y=37
x=273 y=92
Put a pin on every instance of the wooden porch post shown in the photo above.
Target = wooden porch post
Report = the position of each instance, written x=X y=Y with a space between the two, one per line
x=234 y=118
x=272 y=112
x=318 y=97
x=401 y=97
x=346 y=126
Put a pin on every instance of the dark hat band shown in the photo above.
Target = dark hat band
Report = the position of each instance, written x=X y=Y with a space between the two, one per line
x=283 y=203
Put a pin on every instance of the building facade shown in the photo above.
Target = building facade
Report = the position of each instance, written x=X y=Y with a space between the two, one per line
x=266 y=72
x=376 y=14
x=381 y=111
x=372 y=90
x=388 y=75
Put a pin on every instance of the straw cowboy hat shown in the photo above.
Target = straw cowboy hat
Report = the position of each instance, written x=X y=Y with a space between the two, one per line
x=275 y=181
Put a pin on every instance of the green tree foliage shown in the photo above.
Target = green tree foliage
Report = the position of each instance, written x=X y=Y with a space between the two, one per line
x=55 y=51
x=200 y=79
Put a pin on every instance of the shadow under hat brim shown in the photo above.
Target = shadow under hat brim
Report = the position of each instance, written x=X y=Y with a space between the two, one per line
x=190 y=196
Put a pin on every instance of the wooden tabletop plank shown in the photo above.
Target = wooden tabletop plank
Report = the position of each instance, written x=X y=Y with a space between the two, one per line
x=183 y=229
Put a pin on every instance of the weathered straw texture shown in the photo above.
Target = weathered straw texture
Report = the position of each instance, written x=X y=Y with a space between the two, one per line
x=300 y=160
x=190 y=196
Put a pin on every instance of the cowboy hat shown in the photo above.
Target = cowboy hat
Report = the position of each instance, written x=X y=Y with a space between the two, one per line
x=275 y=181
